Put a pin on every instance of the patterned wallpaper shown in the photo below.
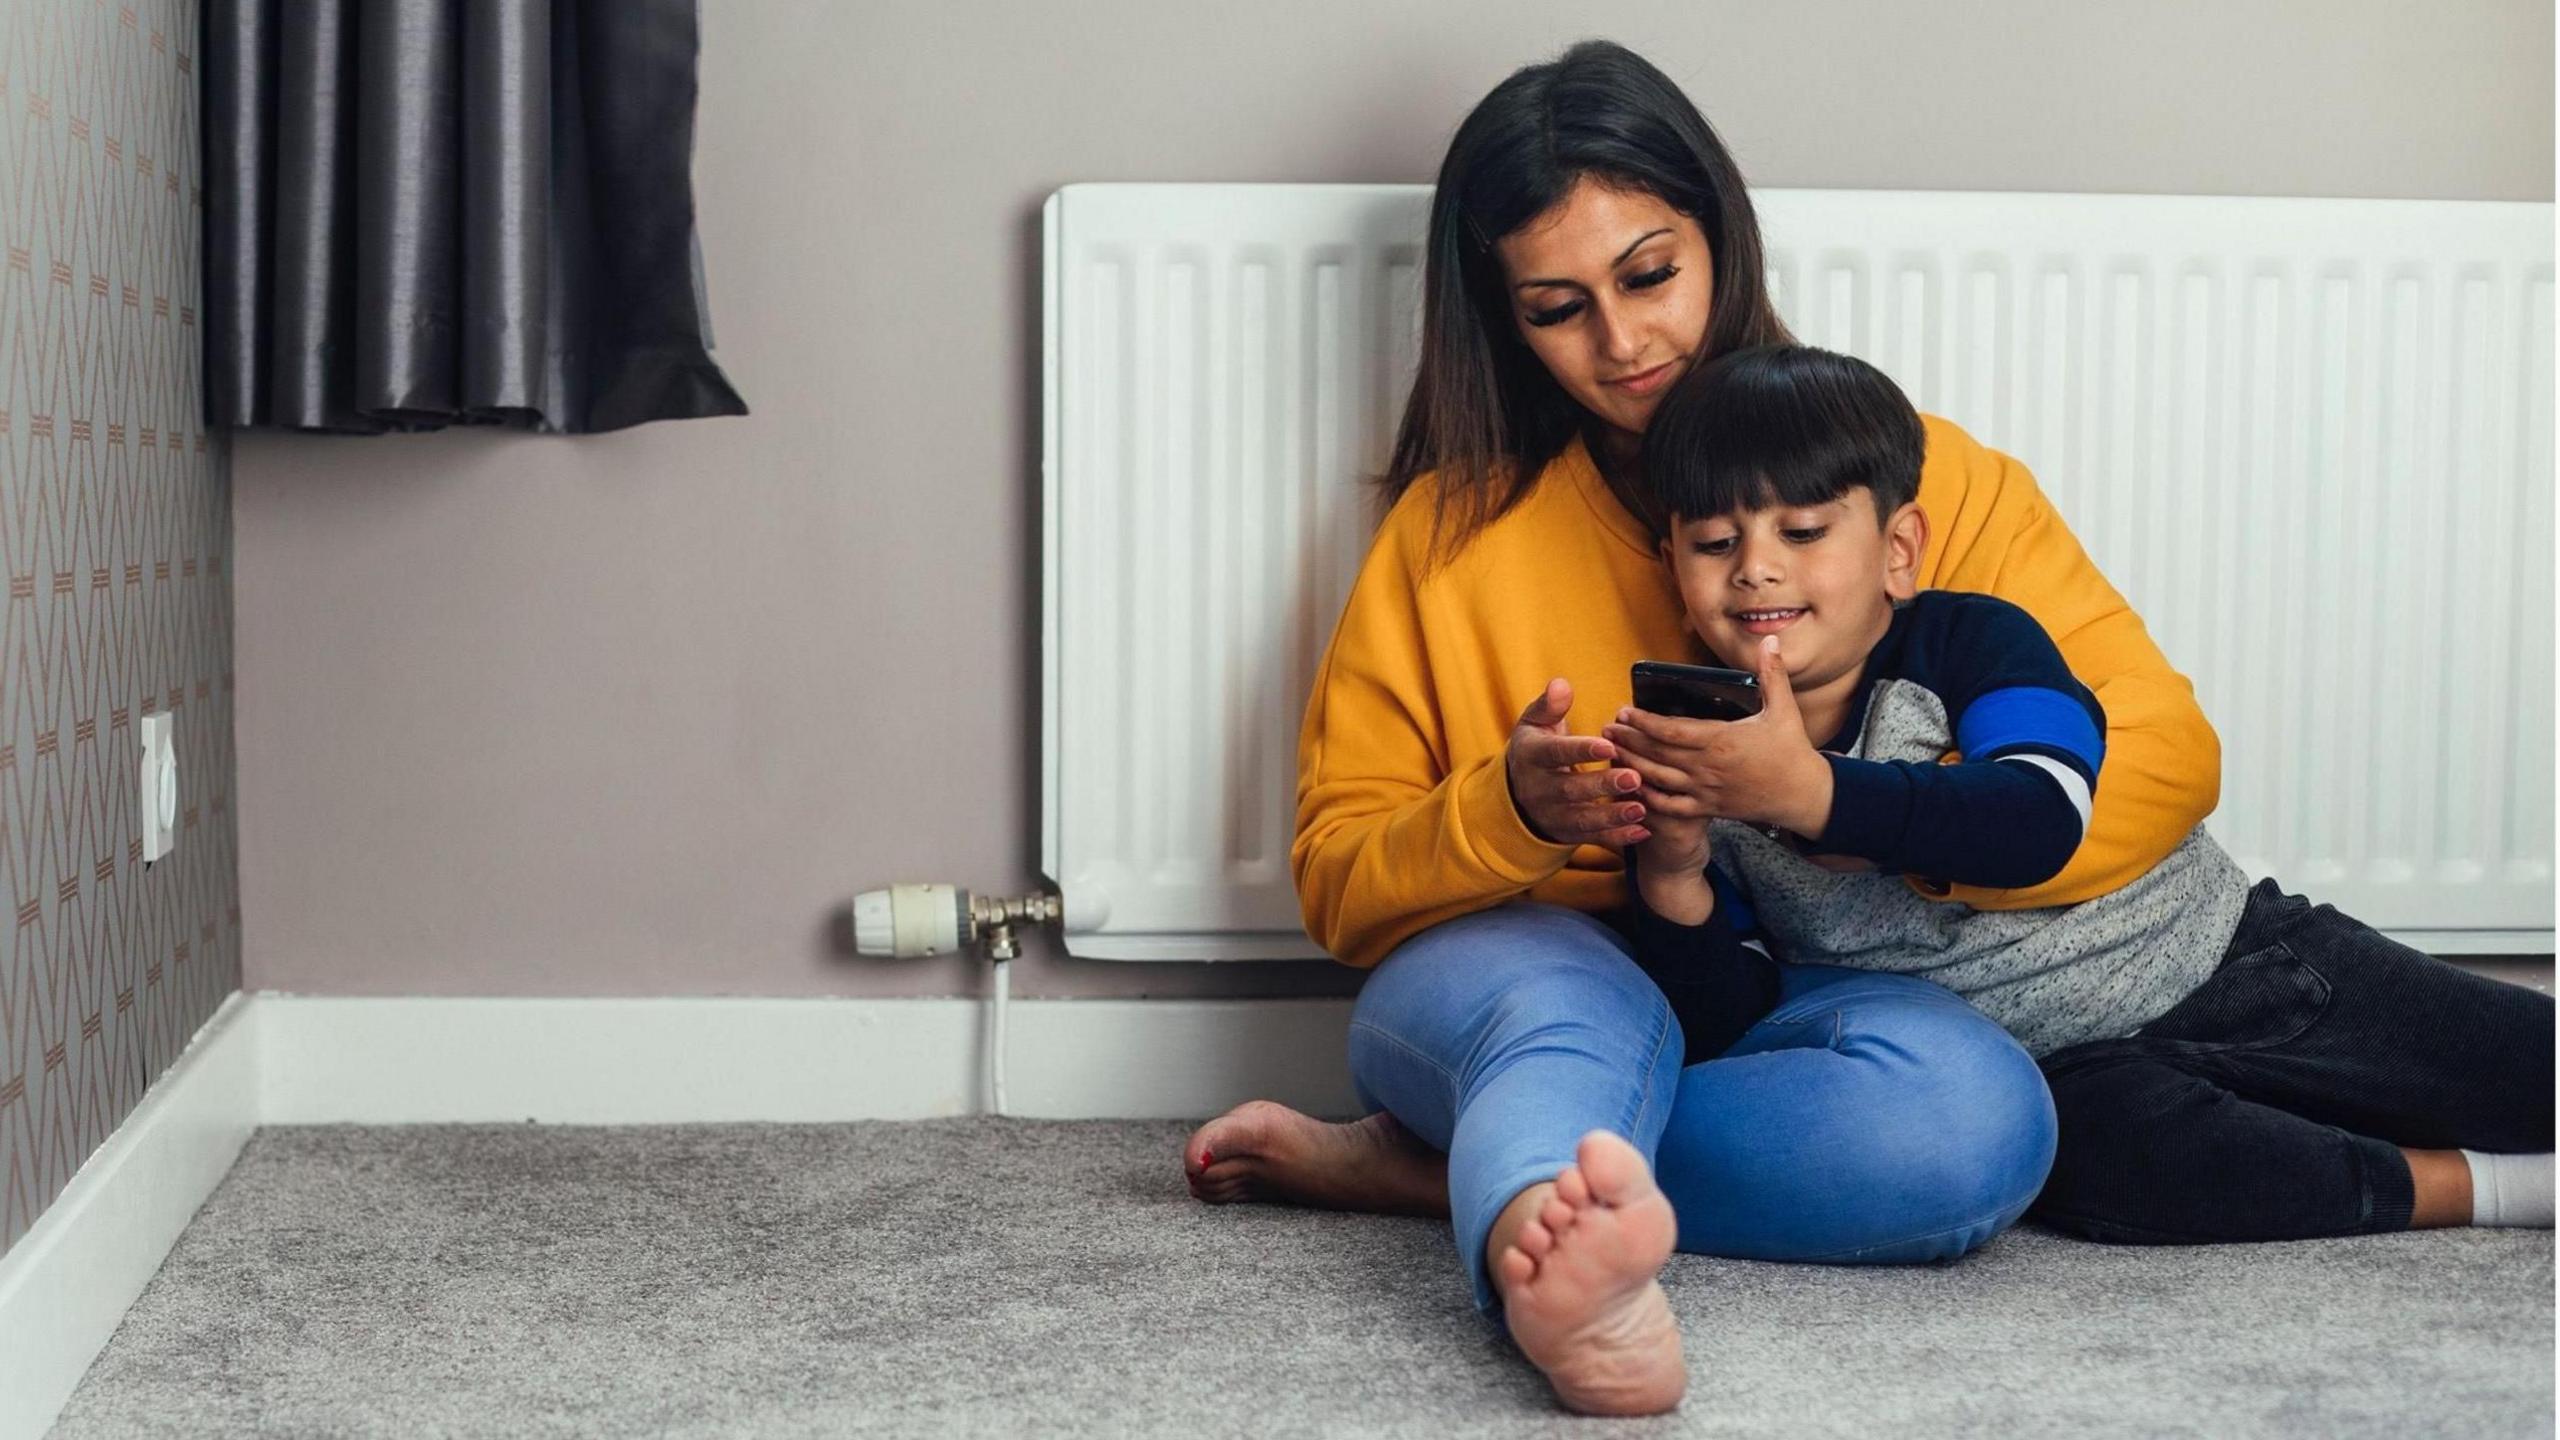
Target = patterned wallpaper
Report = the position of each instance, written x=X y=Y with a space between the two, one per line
x=115 y=527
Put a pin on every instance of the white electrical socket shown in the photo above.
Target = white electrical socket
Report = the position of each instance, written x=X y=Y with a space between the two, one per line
x=159 y=787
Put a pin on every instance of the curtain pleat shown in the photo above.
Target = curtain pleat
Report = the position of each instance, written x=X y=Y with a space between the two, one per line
x=433 y=212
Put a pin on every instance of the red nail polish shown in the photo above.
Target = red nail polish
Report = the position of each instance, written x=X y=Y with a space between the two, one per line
x=1205 y=1159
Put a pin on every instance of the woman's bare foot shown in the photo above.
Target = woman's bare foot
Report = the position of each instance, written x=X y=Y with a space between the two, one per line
x=1266 y=1151
x=1578 y=1286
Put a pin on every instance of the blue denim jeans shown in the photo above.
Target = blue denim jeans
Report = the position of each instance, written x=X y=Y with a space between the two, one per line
x=1870 y=1118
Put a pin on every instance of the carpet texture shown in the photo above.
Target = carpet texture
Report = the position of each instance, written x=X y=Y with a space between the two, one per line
x=995 y=1277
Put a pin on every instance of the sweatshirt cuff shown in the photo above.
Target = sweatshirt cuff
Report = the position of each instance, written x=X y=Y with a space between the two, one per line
x=1656 y=934
x=1496 y=832
x=1870 y=810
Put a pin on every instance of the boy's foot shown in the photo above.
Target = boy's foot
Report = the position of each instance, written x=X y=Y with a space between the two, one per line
x=1578 y=1286
x=1265 y=1151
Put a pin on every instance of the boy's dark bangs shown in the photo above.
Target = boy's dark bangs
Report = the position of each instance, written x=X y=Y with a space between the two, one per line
x=1778 y=427
x=1729 y=447
x=1783 y=477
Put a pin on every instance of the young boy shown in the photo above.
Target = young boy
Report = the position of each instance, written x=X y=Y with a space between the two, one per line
x=2227 y=1062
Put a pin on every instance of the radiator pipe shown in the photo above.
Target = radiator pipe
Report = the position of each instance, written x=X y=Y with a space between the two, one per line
x=917 y=920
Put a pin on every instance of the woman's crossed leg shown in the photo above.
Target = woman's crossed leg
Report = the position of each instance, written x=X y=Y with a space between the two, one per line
x=1868 y=1118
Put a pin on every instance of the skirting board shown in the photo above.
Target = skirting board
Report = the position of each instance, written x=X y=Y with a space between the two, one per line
x=275 y=1059
x=673 y=1061
x=65 y=1285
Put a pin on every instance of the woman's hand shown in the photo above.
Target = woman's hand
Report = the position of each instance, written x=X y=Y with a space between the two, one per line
x=1563 y=805
x=1762 y=770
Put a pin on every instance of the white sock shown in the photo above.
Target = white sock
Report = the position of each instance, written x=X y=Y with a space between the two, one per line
x=2510 y=1189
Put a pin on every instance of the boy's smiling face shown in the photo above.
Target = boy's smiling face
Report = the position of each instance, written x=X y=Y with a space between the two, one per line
x=1822 y=578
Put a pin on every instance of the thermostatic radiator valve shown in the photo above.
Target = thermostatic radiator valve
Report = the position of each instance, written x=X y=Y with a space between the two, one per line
x=914 y=920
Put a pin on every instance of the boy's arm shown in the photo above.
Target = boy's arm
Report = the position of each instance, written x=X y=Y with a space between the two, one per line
x=1715 y=971
x=2033 y=738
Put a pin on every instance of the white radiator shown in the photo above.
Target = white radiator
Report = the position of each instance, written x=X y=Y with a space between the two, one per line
x=2311 y=440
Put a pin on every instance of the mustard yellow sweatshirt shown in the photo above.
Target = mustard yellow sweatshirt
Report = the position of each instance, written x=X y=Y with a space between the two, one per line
x=1404 y=811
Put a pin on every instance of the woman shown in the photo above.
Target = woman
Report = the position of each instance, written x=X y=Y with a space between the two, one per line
x=1590 y=239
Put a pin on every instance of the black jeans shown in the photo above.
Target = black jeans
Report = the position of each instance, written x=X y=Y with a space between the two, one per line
x=2273 y=1102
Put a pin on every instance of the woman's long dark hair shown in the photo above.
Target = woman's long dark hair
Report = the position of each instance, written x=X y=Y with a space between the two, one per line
x=1484 y=411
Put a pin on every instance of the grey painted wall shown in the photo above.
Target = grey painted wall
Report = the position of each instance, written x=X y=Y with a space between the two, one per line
x=637 y=714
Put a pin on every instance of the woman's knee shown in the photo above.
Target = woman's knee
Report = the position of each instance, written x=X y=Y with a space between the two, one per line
x=1975 y=1124
x=1862 y=1123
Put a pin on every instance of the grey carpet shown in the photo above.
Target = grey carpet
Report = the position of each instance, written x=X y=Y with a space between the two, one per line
x=1004 y=1277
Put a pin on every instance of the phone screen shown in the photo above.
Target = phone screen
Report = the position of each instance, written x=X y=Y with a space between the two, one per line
x=1698 y=692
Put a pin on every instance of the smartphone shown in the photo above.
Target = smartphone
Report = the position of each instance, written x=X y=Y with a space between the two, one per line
x=1700 y=692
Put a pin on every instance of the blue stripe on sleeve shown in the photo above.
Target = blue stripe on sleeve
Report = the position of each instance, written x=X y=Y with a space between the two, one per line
x=2029 y=715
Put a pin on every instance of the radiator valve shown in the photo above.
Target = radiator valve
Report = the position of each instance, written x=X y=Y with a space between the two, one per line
x=912 y=920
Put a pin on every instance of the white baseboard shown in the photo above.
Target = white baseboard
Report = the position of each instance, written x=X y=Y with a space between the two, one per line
x=671 y=1061
x=65 y=1285
x=2475 y=942
x=275 y=1059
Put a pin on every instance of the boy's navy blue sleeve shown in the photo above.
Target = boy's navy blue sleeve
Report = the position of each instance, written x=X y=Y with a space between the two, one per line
x=2014 y=809
x=1718 y=974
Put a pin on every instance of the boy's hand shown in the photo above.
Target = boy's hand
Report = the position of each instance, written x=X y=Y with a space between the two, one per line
x=1762 y=770
x=1676 y=846
x=1670 y=869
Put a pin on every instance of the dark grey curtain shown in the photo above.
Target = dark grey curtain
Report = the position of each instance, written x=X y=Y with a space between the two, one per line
x=421 y=213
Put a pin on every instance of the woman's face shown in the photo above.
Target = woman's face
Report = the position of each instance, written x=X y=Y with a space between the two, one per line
x=1611 y=290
